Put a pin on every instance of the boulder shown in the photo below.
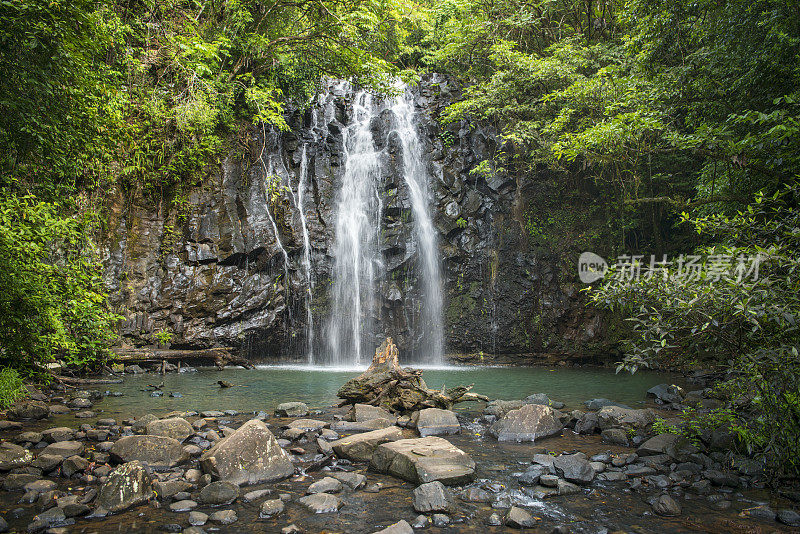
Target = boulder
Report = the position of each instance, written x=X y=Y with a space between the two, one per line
x=597 y=404
x=673 y=445
x=47 y=462
x=219 y=492
x=250 y=455
x=365 y=412
x=18 y=481
x=424 y=460
x=65 y=449
x=360 y=447
x=520 y=518
x=128 y=485
x=307 y=425
x=500 y=408
x=401 y=527
x=361 y=426
x=615 y=436
x=14 y=456
x=666 y=393
x=528 y=423
x=175 y=428
x=666 y=506
x=350 y=479
x=29 y=410
x=433 y=497
x=61 y=433
x=437 y=422
x=574 y=468
x=73 y=465
x=155 y=451
x=321 y=503
x=614 y=416
x=542 y=398
x=291 y=409
x=588 y=423
x=270 y=508
x=325 y=485
x=224 y=517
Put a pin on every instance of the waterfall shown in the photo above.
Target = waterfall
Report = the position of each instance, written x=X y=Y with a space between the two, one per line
x=431 y=348
x=355 y=251
x=358 y=264
x=301 y=189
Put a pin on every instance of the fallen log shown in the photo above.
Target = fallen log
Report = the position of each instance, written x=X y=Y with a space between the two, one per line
x=399 y=389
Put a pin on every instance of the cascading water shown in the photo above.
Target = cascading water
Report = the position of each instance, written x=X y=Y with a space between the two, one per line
x=355 y=250
x=301 y=189
x=358 y=265
x=430 y=350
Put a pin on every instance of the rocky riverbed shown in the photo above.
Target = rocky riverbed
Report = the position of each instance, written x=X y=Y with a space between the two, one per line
x=531 y=464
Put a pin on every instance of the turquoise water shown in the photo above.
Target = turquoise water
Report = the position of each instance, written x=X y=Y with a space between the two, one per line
x=266 y=387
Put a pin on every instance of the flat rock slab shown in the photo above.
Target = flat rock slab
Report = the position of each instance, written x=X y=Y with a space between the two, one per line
x=437 y=422
x=423 y=460
x=321 y=503
x=14 y=457
x=308 y=425
x=673 y=445
x=528 y=423
x=155 y=451
x=361 y=447
x=65 y=449
x=250 y=455
x=361 y=426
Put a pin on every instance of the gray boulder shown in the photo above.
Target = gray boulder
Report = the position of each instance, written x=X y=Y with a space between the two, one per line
x=666 y=506
x=365 y=412
x=542 y=398
x=361 y=426
x=219 y=492
x=14 y=456
x=614 y=416
x=401 y=527
x=291 y=409
x=433 y=497
x=360 y=447
x=499 y=408
x=424 y=460
x=325 y=485
x=65 y=449
x=520 y=518
x=250 y=455
x=673 y=445
x=574 y=468
x=128 y=485
x=597 y=404
x=175 y=428
x=29 y=410
x=270 y=508
x=528 y=423
x=321 y=503
x=666 y=393
x=350 y=479
x=588 y=423
x=155 y=451
x=437 y=422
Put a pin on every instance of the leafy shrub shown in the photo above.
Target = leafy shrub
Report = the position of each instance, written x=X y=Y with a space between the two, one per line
x=748 y=324
x=10 y=387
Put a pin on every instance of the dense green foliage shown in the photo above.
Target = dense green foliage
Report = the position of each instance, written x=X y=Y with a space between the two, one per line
x=11 y=387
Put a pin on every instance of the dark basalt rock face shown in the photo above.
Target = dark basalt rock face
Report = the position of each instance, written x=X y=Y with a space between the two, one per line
x=212 y=273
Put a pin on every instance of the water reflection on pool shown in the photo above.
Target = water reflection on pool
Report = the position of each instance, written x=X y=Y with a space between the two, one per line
x=266 y=387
